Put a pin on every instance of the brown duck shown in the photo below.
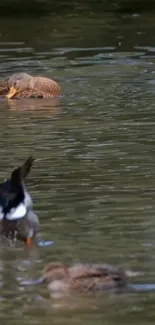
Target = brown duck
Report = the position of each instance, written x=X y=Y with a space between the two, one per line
x=79 y=278
x=23 y=85
x=18 y=221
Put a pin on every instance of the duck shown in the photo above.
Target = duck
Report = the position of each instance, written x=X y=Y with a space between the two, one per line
x=23 y=85
x=64 y=281
x=83 y=278
x=17 y=218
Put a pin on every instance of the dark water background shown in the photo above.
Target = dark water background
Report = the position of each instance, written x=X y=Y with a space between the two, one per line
x=93 y=180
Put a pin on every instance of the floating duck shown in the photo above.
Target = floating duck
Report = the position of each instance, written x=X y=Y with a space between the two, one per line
x=80 y=278
x=23 y=85
x=16 y=214
x=64 y=280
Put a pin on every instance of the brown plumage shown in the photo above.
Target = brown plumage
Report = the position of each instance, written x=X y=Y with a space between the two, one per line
x=80 y=277
x=23 y=85
x=4 y=87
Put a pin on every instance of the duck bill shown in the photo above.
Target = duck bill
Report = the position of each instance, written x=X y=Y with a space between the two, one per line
x=34 y=282
x=12 y=92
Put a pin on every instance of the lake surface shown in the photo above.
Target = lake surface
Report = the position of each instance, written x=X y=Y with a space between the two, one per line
x=93 y=182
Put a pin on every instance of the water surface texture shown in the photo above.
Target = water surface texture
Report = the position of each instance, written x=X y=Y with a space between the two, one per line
x=94 y=175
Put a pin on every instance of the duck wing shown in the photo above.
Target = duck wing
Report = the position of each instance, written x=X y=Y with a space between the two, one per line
x=46 y=87
x=10 y=198
x=96 y=277
x=29 y=93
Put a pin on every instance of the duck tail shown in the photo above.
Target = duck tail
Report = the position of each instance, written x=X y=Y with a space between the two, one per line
x=21 y=172
x=26 y=167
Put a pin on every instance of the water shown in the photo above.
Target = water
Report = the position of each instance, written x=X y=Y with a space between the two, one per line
x=93 y=179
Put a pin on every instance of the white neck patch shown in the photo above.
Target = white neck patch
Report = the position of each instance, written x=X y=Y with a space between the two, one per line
x=17 y=213
x=27 y=200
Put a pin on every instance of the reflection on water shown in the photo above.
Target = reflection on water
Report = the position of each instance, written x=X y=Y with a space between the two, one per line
x=93 y=179
x=51 y=105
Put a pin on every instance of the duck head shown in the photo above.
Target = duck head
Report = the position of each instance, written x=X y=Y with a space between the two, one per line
x=55 y=271
x=18 y=82
x=52 y=272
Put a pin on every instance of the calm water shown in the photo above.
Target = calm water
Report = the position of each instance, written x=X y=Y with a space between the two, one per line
x=93 y=180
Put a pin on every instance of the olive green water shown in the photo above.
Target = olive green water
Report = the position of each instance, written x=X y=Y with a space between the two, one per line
x=93 y=180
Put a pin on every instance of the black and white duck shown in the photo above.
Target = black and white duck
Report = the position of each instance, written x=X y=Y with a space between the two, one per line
x=17 y=218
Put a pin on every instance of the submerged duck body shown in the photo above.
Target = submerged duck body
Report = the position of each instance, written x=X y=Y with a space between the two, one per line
x=80 y=278
x=16 y=214
x=23 y=85
x=65 y=281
